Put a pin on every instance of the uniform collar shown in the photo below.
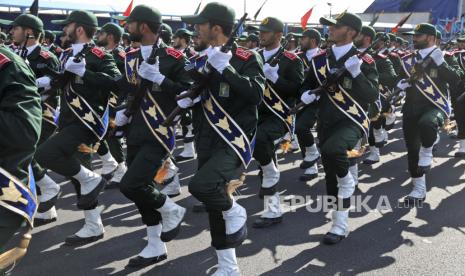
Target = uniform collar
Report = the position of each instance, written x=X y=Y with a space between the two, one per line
x=311 y=53
x=77 y=47
x=361 y=49
x=340 y=51
x=424 y=52
x=268 y=54
x=145 y=50
x=31 y=49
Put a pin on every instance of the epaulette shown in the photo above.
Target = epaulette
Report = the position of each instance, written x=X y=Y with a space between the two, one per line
x=290 y=55
x=381 y=56
x=44 y=54
x=98 y=52
x=243 y=53
x=174 y=53
x=368 y=59
x=4 y=60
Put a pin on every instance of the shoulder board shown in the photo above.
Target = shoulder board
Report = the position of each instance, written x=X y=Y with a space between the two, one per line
x=174 y=53
x=368 y=59
x=290 y=55
x=98 y=52
x=381 y=56
x=392 y=54
x=243 y=53
x=4 y=60
x=44 y=54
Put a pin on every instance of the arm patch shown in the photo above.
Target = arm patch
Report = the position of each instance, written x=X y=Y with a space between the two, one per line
x=4 y=60
x=243 y=54
x=174 y=53
x=98 y=52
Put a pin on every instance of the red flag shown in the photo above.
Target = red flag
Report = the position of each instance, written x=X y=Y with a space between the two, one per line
x=128 y=9
x=448 y=27
x=305 y=18
x=127 y=12
x=401 y=22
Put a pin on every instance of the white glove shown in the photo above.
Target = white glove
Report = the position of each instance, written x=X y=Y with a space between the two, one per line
x=218 y=59
x=352 y=65
x=187 y=102
x=308 y=97
x=438 y=57
x=403 y=84
x=120 y=118
x=76 y=68
x=271 y=73
x=43 y=82
x=151 y=72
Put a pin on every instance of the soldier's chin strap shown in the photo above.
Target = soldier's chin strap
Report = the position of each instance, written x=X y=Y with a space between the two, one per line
x=12 y=256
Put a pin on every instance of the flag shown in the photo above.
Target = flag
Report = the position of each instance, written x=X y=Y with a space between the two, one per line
x=34 y=9
x=305 y=18
x=198 y=8
x=449 y=25
x=375 y=19
x=127 y=12
x=259 y=10
x=401 y=22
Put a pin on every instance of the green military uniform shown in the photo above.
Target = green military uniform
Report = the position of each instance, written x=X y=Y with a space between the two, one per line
x=20 y=124
x=387 y=79
x=290 y=72
x=337 y=130
x=307 y=117
x=113 y=144
x=56 y=50
x=60 y=152
x=421 y=118
x=238 y=89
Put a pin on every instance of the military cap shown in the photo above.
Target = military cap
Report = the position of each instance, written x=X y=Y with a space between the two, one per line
x=461 y=39
x=166 y=29
x=25 y=20
x=213 y=11
x=383 y=36
x=399 y=40
x=49 y=35
x=293 y=36
x=392 y=37
x=242 y=38
x=271 y=24
x=113 y=29
x=423 y=28
x=438 y=35
x=252 y=37
x=251 y=29
x=142 y=13
x=3 y=36
x=182 y=32
x=368 y=31
x=312 y=33
x=126 y=36
x=81 y=17
x=344 y=19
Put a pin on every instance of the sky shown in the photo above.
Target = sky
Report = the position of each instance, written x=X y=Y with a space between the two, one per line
x=288 y=11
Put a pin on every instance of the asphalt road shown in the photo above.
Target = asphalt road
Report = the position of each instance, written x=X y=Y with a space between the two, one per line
x=402 y=241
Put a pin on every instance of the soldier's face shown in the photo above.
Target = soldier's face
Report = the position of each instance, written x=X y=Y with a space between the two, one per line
x=358 y=41
x=198 y=44
x=70 y=31
x=18 y=35
x=102 y=39
x=420 y=41
x=269 y=38
x=134 y=31
x=205 y=33
x=177 y=43
x=339 y=33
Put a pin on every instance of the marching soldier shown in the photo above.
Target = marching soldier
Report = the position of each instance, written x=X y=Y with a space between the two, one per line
x=111 y=150
x=49 y=43
x=26 y=31
x=166 y=34
x=284 y=78
x=342 y=118
x=387 y=80
x=426 y=104
x=160 y=70
x=182 y=38
x=252 y=42
x=225 y=120
x=306 y=118
x=20 y=124
x=88 y=74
